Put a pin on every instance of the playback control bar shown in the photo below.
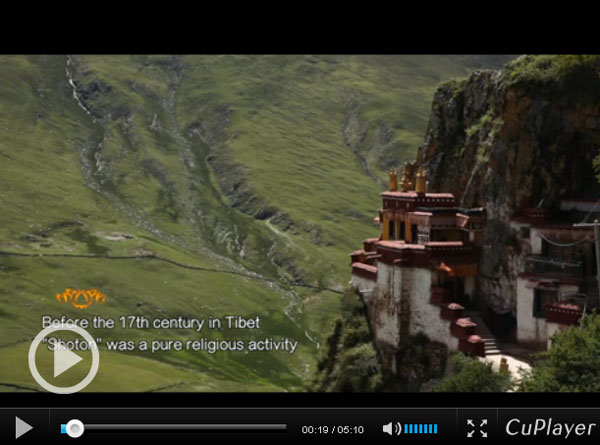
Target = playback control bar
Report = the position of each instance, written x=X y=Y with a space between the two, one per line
x=284 y=424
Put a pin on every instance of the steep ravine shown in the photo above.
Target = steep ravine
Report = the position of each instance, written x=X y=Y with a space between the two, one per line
x=223 y=235
x=97 y=167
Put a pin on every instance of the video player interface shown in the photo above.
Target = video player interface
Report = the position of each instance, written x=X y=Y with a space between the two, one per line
x=306 y=247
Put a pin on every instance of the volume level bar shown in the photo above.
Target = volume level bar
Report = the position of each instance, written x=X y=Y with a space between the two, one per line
x=188 y=426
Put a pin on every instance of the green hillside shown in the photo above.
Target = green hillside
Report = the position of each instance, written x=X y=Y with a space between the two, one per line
x=268 y=166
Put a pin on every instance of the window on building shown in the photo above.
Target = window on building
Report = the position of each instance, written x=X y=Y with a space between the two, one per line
x=437 y=235
x=525 y=233
x=392 y=229
x=542 y=297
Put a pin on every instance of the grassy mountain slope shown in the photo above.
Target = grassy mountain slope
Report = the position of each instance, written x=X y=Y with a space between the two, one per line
x=310 y=138
x=268 y=166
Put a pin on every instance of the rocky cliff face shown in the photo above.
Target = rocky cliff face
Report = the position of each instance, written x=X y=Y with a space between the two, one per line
x=523 y=136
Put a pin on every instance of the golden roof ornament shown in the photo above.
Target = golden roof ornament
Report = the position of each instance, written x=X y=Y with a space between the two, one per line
x=405 y=180
x=393 y=180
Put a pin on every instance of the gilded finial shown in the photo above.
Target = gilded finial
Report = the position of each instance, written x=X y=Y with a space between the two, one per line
x=405 y=184
x=393 y=180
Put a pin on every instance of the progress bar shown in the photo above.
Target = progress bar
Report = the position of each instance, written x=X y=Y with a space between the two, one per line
x=188 y=426
x=75 y=427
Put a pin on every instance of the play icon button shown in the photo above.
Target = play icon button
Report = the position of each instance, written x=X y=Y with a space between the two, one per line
x=21 y=427
x=64 y=360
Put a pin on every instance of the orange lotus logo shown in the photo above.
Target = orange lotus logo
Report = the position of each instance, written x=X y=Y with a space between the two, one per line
x=81 y=298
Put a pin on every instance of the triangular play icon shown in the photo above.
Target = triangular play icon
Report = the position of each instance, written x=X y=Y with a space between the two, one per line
x=64 y=360
x=21 y=427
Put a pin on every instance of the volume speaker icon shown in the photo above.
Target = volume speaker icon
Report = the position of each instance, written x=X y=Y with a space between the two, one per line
x=393 y=428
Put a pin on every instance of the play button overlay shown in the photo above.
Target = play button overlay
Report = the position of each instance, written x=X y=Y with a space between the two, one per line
x=64 y=359
x=21 y=427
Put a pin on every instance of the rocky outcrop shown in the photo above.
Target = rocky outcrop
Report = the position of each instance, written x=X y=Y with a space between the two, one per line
x=523 y=136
